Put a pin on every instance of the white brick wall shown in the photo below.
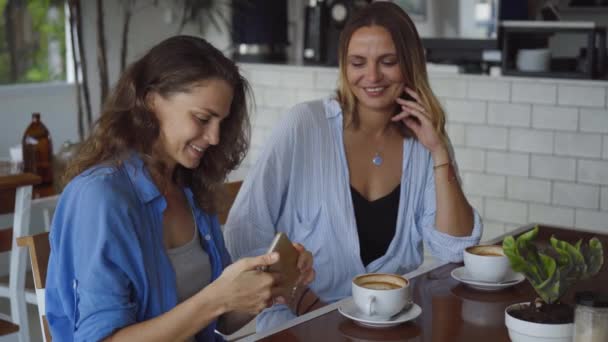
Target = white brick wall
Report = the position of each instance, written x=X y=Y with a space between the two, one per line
x=592 y=171
x=506 y=211
x=592 y=219
x=530 y=190
x=534 y=93
x=552 y=117
x=486 y=137
x=465 y=111
x=456 y=132
x=506 y=163
x=529 y=140
x=529 y=150
x=449 y=87
x=508 y=114
x=594 y=120
x=582 y=96
x=490 y=90
x=576 y=195
x=578 y=145
x=559 y=216
x=470 y=159
x=549 y=167
x=604 y=195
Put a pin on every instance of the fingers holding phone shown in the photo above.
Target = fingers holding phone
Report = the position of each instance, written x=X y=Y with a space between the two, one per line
x=245 y=288
x=305 y=265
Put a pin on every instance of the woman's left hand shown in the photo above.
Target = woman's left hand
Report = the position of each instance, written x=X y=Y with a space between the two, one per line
x=305 y=262
x=416 y=117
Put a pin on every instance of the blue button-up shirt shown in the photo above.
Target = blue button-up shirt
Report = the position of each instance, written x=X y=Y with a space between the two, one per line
x=300 y=185
x=108 y=267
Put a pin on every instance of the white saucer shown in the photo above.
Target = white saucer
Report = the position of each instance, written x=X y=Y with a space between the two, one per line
x=463 y=276
x=350 y=310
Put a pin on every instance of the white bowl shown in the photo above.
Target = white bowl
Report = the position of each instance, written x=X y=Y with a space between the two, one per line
x=533 y=59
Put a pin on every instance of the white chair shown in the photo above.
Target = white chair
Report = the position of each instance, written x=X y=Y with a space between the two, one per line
x=40 y=250
x=15 y=288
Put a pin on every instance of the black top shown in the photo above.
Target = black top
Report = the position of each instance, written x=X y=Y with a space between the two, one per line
x=376 y=223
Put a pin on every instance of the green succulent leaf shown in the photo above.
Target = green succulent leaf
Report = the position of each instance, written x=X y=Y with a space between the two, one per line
x=549 y=289
x=552 y=272
x=593 y=253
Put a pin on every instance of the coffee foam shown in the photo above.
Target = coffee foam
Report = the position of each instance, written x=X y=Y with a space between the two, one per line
x=381 y=281
x=488 y=250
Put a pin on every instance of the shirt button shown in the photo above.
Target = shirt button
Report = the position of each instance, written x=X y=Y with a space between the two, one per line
x=74 y=284
x=207 y=237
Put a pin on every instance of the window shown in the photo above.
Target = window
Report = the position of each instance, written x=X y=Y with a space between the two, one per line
x=32 y=41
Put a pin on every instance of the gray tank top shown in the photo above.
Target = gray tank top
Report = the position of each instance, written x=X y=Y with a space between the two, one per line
x=192 y=267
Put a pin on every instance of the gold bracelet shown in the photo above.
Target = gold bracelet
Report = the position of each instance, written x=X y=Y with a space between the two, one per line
x=441 y=165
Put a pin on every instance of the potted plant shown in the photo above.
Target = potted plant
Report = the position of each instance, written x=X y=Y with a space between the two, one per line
x=551 y=272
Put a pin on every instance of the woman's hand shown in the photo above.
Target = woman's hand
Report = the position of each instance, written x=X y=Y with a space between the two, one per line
x=416 y=117
x=305 y=263
x=244 y=287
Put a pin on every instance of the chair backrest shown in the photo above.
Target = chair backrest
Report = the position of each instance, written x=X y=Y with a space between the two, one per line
x=231 y=189
x=22 y=184
x=40 y=250
x=43 y=209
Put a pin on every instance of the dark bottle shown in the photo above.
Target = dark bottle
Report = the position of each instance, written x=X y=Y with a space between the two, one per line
x=38 y=150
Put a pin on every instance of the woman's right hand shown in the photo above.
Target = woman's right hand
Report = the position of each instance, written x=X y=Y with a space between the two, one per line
x=245 y=287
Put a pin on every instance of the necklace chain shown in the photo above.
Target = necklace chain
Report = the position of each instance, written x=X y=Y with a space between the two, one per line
x=377 y=160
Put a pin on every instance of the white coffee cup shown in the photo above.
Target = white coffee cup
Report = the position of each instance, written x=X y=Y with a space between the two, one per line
x=381 y=295
x=486 y=263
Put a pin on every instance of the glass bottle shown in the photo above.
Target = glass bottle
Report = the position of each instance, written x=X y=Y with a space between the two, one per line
x=591 y=317
x=38 y=150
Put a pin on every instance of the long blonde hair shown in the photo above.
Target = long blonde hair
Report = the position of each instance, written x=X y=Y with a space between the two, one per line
x=410 y=56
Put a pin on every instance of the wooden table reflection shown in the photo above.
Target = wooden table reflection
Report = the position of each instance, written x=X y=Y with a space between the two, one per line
x=450 y=310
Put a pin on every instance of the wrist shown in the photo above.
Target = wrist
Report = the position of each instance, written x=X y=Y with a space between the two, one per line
x=440 y=155
x=216 y=300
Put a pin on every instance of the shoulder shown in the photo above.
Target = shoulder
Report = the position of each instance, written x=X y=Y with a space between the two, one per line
x=101 y=183
x=311 y=114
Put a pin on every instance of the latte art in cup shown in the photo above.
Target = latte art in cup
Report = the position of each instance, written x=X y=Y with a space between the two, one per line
x=380 y=286
x=381 y=295
x=486 y=263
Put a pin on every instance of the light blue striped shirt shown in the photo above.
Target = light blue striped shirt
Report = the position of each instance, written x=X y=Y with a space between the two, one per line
x=300 y=186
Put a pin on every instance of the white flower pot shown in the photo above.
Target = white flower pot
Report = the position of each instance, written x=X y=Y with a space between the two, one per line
x=524 y=331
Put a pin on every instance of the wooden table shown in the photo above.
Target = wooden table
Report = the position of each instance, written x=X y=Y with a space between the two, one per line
x=450 y=310
x=7 y=196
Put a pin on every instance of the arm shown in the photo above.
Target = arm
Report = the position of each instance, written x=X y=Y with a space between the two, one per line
x=180 y=323
x=454 y=215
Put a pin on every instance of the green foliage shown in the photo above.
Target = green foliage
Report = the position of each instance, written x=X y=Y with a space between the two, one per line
x=554 y=271
x=33 y=58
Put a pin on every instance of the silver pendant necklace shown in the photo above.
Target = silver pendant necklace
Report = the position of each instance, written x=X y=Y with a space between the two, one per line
x=377 y=160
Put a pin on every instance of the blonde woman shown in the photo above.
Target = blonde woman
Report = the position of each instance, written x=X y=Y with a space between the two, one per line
x=362 y=179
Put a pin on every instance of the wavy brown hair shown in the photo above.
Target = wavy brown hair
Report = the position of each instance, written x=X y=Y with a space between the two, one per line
x=127 y=124
x=410 y=56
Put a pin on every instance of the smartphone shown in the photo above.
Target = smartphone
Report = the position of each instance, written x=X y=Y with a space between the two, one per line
x=287 y=265
x=406 y=131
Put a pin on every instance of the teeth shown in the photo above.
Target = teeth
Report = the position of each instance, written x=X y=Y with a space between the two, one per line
x=196 y=148
x=377 y=89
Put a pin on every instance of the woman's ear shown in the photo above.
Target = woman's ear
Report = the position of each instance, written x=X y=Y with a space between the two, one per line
x=150 y=100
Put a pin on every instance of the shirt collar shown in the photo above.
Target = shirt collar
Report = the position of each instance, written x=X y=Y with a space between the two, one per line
x=145 y=188
x=332 y=108
x=140 y=177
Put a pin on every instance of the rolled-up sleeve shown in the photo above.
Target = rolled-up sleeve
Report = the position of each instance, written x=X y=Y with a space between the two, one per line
x=444 y=246
x=89 y=292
